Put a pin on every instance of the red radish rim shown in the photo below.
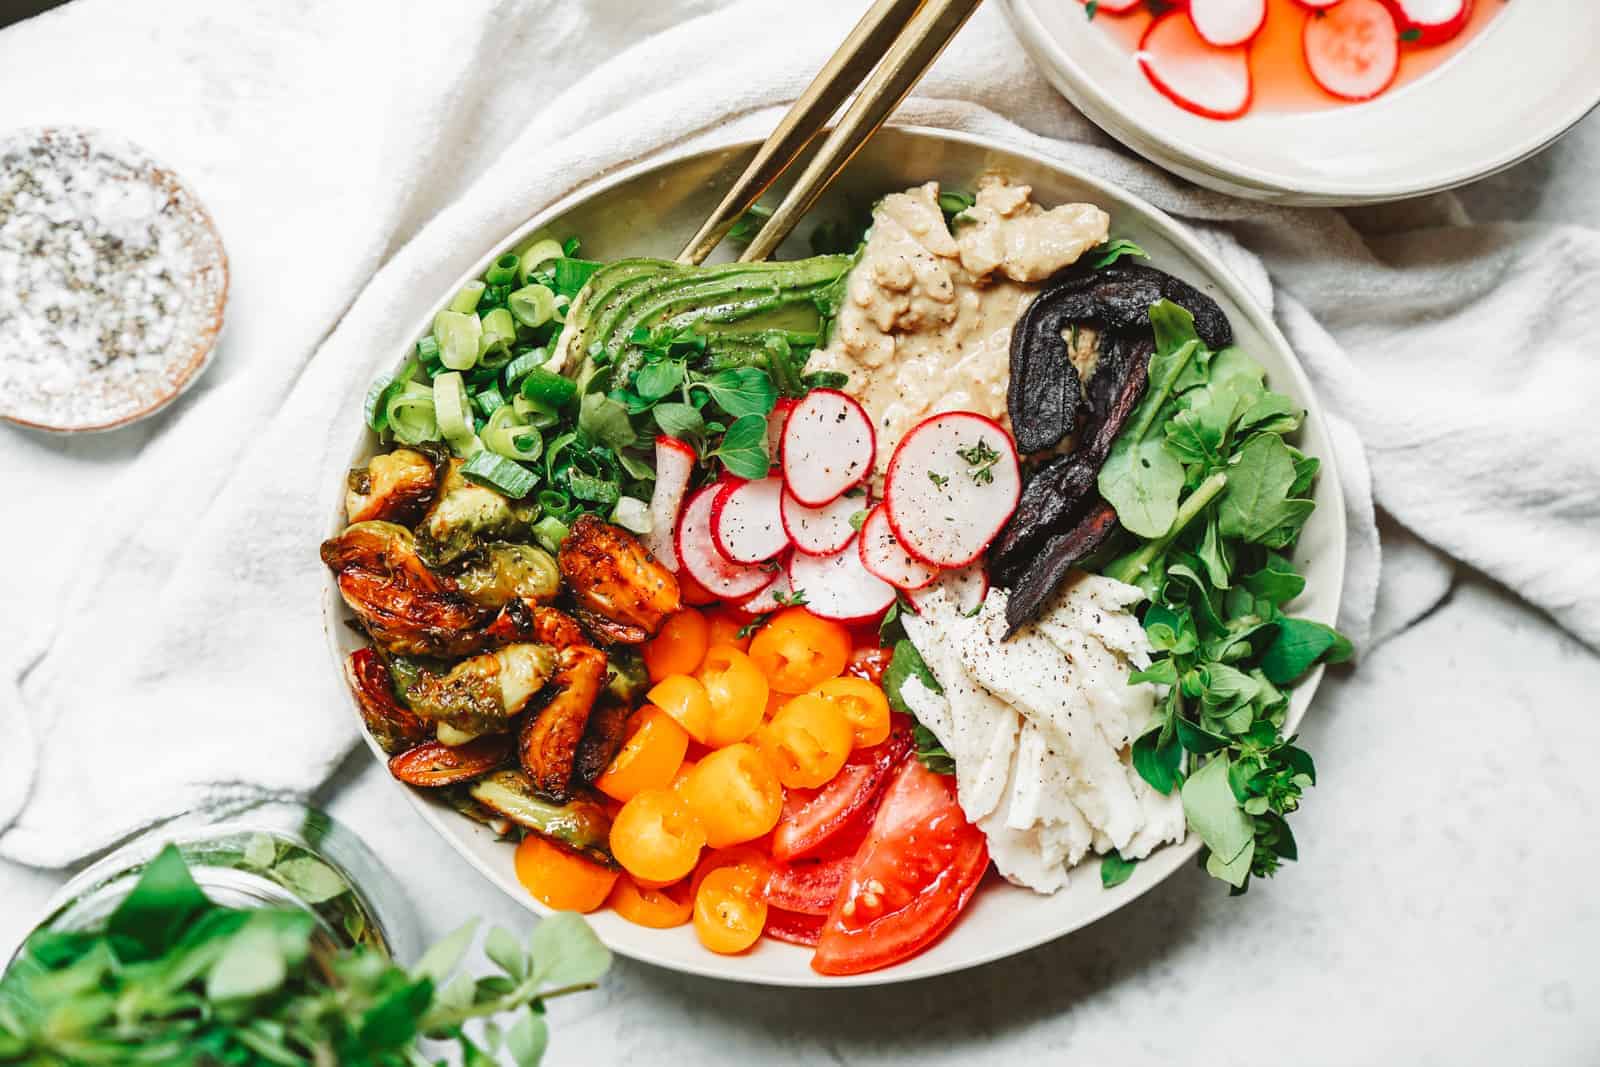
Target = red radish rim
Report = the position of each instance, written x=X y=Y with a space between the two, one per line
x=777 y=421
x=888 y=481
x=721 y=588
x=1316 y=24
x=660 y=542
x=1114 y=7
x=872 y=445
x=746 y=606
x=848 y=620
x=1178 y=98
x=720 y=503
x=1246 y=39
x=866 y=563
x=1431 y=33
x=783 y=516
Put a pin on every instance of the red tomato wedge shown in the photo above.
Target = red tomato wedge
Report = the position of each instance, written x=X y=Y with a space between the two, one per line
x=814 y=818
x=808 y=886
x=914 y=873
x=793 y=926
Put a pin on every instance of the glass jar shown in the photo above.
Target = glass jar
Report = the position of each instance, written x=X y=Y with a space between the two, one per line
x=272 y=854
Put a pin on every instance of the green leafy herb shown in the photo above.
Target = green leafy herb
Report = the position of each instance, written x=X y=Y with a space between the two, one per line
x=1114 y=870
x=1091 y=9
x=744 y=447
x=939 y=480
x=742 y=391
x=682 y=421
x=1410 y=33
x=905 y=664
x=1115 y=249
x=929 y=751
x=980 y=459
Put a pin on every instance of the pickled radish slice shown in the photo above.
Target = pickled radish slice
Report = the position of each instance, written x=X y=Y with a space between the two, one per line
x=1431 y=21
x=825 y=530
x=675 y=462
x=883 y=554
x=1198 y=77
x=746 y=523
x=1353 y=50
x=1225 y=23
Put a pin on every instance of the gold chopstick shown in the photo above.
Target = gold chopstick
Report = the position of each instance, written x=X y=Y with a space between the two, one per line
x=907 y=60
x=845 y=70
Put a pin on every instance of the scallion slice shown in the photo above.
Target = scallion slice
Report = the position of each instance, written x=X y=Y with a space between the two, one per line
x=376 y=408
x=466 y=301
x=549 y=388
x=411 y=414
x=451 y=408
x=555 y=502
x=534 y=413
x=460 y=336
x=488 y=401
x=535 y=357
x=505 y=435
x=503 y=271
x=535 y=256
x=499 y=333
x=594 y=490
x=533 y=305
x=631 y=513
x=550 y=532
x=570 y=274
x=500 y=474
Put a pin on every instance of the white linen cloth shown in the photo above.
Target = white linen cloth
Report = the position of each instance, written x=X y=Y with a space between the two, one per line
x=162 y=621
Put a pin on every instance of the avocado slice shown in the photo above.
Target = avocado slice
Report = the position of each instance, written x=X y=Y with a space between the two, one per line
x=602 y=288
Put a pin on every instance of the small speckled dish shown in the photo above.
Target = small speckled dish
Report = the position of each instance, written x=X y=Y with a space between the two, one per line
x=113 y=281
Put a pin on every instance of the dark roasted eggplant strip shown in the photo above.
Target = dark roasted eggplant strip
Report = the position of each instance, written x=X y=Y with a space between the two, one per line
x=1051 y=500
x=1059 y=555
x=1044 y=394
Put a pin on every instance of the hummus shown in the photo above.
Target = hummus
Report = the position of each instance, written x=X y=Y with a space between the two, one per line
x=925 y=325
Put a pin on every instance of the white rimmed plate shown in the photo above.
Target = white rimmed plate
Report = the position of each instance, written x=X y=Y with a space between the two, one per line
x=1524 y=81
x=653 y=210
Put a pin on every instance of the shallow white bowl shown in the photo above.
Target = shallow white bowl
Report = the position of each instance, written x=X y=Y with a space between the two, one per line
x=1522 y=83
x=653 y=210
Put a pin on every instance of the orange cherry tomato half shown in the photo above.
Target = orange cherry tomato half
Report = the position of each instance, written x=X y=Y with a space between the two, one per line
x=685 y=699
x=679 y=645
x=723 y=628
x=807 y=741
x=729 y=911
x=560 y=879
x=751 y=857
x=734 y=794
x=658 y=907
x=863 y=704
x=798 y=651
x=649 y=758
x=738 y=693
x=656 y=837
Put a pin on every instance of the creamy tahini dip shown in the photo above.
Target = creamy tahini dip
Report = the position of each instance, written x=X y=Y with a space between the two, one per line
x=926 y=321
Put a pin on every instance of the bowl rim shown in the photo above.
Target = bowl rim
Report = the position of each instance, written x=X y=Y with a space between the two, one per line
x=1172 y=151
x=447 y=822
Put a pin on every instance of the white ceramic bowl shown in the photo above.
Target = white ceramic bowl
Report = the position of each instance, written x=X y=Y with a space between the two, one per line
x=653 y=210
x=1523 y=82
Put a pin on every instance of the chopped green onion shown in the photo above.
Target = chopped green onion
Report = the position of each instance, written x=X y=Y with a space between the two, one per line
x=500 y=474
x=506 y=436
x=570 y=246
x=459 y=334
x=451 y=408
x=533 y=305
x=550 y=532
x=534 y=413
x=631 y=513
x=555 y=502
x=428 y=348
x=594 y=490
x=499 y=334
x=537 y=255
x=376 y=408
x=467 y=299
x=488 y=401
x=503 y=270
x=549 y=388
x=563 y=302
x=570 y=274
x=534 y=357
x=410 y=414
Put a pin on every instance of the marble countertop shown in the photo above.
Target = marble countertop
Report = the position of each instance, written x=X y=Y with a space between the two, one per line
x=1443 y=912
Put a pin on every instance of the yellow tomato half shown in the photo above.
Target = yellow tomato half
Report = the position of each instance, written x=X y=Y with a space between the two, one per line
x=864 y=706
x=656 y=837
x=678 y=647
x=807 y=741
x=684 y=698
x=798 y=651
x=649 y=758
x=734 y=794
x=729 y=910
x=560 y=879
x=658 y=907
x=738 y=693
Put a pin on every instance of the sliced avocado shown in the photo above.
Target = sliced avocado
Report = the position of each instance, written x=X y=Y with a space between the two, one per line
x=594 y=296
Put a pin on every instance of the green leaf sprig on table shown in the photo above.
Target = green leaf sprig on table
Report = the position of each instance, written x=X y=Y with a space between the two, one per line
x=1216 y=498
x=175 y=979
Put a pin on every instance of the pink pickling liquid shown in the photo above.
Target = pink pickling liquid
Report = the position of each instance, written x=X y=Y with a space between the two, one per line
x=1277 y=64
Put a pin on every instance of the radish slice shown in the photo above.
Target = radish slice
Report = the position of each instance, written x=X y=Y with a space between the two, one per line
x=828 y=446
x=966 y=586
x=838 y=587
x=951 y=486
x=883 y=554
x=821 y=531
x=674 y=464
x=1430 y=22
x=777 y=594
x=697 y=552
x=776 y=421
x=1209 y=81
x=1316 y=5
x=746 y=524
x=1353 y=50
x=1226 y=23
x=1115 y=7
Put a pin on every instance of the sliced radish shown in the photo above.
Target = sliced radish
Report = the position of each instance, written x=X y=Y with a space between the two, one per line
x=821 y=531
x=883 y=554
x=838 y=587
x=774 y=596
x=1198 y=77
x=1115 y=7
x=951 y=486
x=1316 y=5
x=966 y=586
x=746 y=522
x=776 y=421
x=1430 y=22
x=1353 y=50
x=697 y=552
x=674 y=464
x=828 y=446
x=1225 y=23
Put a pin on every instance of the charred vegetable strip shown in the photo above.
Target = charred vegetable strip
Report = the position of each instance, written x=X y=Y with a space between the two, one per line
x=394 y=727
x=580 y=824
x=433 y=764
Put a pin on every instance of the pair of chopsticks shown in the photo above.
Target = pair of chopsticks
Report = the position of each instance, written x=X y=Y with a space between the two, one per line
x=901 y=39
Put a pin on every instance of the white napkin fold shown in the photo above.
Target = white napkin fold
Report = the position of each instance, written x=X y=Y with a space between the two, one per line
x=166 y=644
